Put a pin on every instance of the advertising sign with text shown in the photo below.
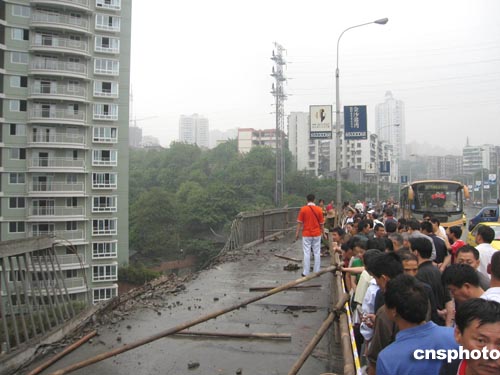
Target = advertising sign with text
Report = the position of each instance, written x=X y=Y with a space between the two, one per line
x=320 y=120
x=355 y=124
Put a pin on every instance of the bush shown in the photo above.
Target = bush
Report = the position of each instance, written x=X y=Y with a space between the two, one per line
x=136 y=274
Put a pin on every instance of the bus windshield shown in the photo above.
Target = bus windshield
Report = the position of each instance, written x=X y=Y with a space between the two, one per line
x=438 y=197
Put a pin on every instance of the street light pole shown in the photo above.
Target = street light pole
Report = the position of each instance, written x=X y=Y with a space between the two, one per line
x=338 y=163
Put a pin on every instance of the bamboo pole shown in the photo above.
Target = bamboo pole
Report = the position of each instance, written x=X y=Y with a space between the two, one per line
x=183 y=326
x=319 y=334
x=288 y=258
x=58 y=356
x=255 y=335
x=264 y=288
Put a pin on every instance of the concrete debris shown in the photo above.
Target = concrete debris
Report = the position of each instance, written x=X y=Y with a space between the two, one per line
x=291 y=267
x=192 y=365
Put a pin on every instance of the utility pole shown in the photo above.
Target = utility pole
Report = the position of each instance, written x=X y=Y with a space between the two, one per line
x=278 y=92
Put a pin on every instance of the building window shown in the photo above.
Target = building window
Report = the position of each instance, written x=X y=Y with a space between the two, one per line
x=72 y=202
x=21 y=11
x=17 y=129
x=105 y=203
x=107 y=22
x=16 y=178
x=71 y=179
x=18 y=153
x=105 y=249
x=20 y=34
x=18 y=105
x=106 y=112
x=105 y=273
x=18 y=81
x=105 y=135
x=16 y=227
x=108 y=4
x=104 y=180
x=104 y=157
x=16 y=202
x=103 y=294
x=106 y=66
x=106 y=89
x=71 y=225
x=104 y=227
x=19 y=57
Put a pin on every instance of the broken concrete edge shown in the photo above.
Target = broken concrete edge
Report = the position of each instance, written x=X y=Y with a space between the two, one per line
x=11 y=363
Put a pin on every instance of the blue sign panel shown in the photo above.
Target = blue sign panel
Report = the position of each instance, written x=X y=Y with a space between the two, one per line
x=355 y=125
x=385 y=167
x=404 y=179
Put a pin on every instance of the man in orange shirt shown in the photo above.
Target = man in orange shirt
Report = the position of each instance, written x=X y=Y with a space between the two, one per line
x=311 y=222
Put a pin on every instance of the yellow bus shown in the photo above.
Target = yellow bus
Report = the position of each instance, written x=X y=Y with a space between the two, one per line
x=441 y=199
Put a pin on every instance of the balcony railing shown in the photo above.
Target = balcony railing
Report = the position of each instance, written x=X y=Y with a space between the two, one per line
x=55 y=162
x=76 y=3
x=113 y=4
x=56 y=187
x=71 y=235
x=60 y=20
x=35 y=287
x=64 y=260
x=56 y=211
x=61 y=44
x=43 y=114
x=59 y=90
x=59 y=66
x=57 y=138
x=107 y=49
x=105 y=117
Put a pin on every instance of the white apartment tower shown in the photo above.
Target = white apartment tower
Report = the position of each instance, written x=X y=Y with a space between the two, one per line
x=390 y=124
x=194 y=130
x=305 y=150
x=64 y=94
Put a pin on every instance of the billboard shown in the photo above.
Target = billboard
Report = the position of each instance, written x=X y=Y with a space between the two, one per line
x=385 y=168
x=320 y=122
x=355 y=125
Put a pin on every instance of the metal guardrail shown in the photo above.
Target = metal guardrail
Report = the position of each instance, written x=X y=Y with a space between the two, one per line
x=254 y=227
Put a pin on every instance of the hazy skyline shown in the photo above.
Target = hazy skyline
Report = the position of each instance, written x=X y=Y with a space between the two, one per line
x=441 y=58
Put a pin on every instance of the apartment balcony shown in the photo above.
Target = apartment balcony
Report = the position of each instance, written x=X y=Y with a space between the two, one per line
x=57 y=213
x=58 y=92
x=55 y=164
x=56 y=140
x=73 y=285
x=60 y=21
x=49 y=189
x=66 y=261
x=58 y=68
x=58 y=116
x=61 y=45
x=107 y=49
x=72 y=236
x=66 y=4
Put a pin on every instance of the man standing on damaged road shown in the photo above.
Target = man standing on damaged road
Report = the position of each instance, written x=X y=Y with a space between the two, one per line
x=311 y=221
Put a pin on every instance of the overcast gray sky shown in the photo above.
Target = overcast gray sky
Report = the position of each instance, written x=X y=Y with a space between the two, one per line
x=441 y=57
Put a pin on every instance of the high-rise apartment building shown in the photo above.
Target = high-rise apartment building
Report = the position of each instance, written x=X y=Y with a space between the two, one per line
x=194 y=130
x=390 y=124
x=64 y=81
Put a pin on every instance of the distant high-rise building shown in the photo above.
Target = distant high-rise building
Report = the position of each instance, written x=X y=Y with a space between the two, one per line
x=64 y=111
x=194 y=130
x=390 y=124
x=135 y=136
x=249 y=138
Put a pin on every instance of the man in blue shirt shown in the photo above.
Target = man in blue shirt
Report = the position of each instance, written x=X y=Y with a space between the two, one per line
x=406 y=304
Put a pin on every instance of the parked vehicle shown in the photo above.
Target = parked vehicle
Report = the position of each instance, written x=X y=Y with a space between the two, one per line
x=471 y=238
x=487 y=214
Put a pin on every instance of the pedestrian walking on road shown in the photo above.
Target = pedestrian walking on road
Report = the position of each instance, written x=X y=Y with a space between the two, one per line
x=311 y=222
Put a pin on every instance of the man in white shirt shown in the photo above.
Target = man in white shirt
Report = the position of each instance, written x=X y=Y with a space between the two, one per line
x=493 y=293
x=485 y=235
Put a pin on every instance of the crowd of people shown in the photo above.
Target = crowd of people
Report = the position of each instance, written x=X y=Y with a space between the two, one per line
x=414 y=285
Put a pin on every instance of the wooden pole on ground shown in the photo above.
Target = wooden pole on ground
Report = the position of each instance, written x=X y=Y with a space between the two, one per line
x=58 y=356
x=183 y=326
x=255 y=335
x=319 y=334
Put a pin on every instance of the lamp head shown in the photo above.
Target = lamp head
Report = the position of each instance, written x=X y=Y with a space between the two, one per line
x=382 y=21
